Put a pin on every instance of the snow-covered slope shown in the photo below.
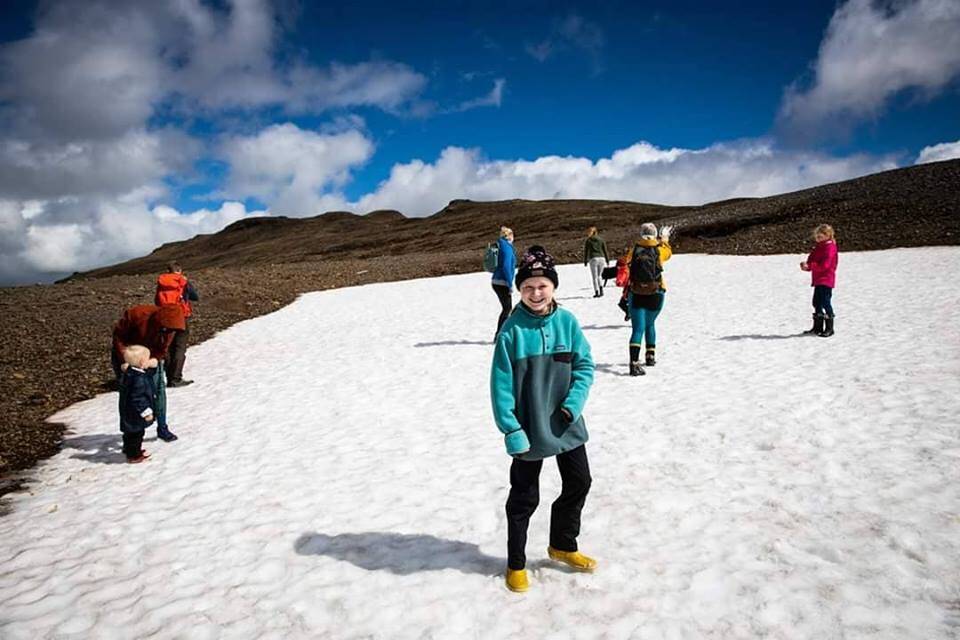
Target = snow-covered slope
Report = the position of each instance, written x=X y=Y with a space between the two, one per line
x=339 y=475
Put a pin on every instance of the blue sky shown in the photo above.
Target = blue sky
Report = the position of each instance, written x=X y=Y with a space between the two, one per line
x=128 y=125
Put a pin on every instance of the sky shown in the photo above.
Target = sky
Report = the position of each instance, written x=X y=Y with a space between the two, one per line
x=125 y=125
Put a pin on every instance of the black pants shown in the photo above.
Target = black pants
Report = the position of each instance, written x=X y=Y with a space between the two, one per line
x=822 y=300
x=565 y=514
x=177 y=354
x=132 y=443
x=506 y=303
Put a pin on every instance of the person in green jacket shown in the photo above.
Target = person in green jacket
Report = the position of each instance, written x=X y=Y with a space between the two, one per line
x=595 y=255
x=541 y=375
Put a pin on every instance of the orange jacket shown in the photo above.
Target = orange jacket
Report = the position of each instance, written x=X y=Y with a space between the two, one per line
x=170 y=290
x=150 y=326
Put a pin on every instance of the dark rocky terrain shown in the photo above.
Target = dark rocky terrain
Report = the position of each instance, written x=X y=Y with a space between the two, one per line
x=53 y=351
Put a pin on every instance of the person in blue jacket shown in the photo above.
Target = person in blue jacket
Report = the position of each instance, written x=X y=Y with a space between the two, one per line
x=541 y=375
x=137 y=400
x=502 y=279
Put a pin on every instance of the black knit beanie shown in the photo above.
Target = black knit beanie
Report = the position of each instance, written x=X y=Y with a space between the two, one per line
x=536 y=262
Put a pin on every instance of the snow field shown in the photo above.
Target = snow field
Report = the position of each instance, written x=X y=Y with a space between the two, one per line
x=339 y=473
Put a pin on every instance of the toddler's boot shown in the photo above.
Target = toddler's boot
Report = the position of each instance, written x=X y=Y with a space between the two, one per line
x=573 y=559
x=517 y=580
x=817 y=328
x=827 y=328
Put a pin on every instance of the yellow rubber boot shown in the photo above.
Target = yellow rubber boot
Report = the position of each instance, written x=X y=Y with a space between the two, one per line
x=517 y=580
x=573 y=559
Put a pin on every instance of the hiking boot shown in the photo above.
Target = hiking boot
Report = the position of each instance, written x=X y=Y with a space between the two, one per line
x=166 y=435
x=827 y=328
x=651 y=358
x=517 y=580
x=817 y=328
x=596 y=294
x=573 y=559
x=636 y=369
x=179 y=383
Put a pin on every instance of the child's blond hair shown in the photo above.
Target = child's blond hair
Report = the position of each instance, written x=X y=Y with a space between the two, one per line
x=506 y=232
x=592 y=231
x=826 y=230
x=135 y=354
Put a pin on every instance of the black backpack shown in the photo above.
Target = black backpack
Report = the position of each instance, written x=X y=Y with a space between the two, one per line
x=645 y=271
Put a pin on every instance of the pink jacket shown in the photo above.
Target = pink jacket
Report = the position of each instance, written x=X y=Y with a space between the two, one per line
x=823 y=264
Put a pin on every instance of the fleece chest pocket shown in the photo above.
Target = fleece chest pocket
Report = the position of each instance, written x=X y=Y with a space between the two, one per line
x=566 y=356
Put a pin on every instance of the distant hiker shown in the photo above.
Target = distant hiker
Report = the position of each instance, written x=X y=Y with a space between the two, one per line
x=541 y=374
x=502 y=279
x=645 y=291
x=822 y=265
x=153 y=327
x=595 y=255
x=138 y=397
x=174 y=288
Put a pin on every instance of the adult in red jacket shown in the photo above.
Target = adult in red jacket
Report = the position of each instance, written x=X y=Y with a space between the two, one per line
x=154 y=327
x=174 y=288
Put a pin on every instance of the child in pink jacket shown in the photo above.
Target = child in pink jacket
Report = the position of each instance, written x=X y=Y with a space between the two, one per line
x=822 y=265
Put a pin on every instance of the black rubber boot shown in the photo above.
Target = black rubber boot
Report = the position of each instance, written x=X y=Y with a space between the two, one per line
x=636 y=369
x=651 y=357
x=817 y=325
x=827 y=328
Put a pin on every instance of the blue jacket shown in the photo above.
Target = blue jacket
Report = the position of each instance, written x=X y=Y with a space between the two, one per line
x=540 y=365
x=137 y=400
x=506 y=263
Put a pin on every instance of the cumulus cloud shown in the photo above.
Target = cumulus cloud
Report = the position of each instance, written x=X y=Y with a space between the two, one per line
x=37 y=247
x=492 y=99
x=641 y=172
x=571 y=33
x=84 y=167
x=938 y=152
x=871 y=52
x=289 y=168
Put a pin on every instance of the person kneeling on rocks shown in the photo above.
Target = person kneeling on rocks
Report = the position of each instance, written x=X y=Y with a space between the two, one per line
x=541 y=375
x=153 y=327
x=138 y=397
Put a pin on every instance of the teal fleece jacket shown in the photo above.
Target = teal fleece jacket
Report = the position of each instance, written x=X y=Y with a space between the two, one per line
x=540 y=365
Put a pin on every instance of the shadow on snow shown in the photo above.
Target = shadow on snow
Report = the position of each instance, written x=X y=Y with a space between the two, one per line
x=454 y=343
x=759 y=336
x=400 y=553
x=101 y=448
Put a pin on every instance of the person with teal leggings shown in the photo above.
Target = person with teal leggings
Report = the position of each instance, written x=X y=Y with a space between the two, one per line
x=645 y=292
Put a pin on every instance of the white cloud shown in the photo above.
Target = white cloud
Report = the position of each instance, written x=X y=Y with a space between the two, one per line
x=938 y=152
x=571 y=33
x=289 y=168
x=641 y=173
x=492 y=99
x=110 y=232
x=871 y=52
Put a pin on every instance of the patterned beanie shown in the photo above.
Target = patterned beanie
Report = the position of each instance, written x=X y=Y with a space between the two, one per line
x=536 y=262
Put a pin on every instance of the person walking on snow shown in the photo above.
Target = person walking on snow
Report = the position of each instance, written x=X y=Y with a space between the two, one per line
x=541 y=374
x=502 y=279
x=174 y=288
x=822 y=265
x=154 y=328
x=595 y=255
x=645 y=292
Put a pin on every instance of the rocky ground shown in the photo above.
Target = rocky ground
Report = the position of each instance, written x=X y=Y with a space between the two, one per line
x=55 y=343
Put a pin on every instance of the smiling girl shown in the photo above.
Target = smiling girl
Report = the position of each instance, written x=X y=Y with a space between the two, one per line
x=542 y=371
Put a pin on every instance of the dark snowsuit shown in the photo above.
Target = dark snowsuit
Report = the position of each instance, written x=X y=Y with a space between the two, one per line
x=138 y=399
